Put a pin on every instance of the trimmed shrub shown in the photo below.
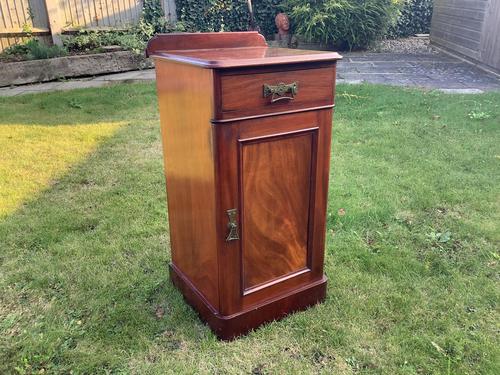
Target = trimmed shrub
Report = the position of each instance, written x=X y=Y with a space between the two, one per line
x=345 y=24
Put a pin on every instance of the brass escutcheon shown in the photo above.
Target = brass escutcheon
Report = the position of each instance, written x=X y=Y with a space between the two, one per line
x=232 y=225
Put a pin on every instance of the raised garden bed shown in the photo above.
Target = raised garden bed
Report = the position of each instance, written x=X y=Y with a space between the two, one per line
x=23 y=72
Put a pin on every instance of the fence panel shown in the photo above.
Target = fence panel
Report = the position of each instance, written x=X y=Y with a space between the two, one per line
x=101 y=13
x=490 y=43
x=468 y=27
x=17 y=16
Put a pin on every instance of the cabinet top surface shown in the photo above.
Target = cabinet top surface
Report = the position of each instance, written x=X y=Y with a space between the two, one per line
x=245 y=56
x=228 y=50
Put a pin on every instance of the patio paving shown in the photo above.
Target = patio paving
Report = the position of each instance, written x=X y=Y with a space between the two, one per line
x=430 y=70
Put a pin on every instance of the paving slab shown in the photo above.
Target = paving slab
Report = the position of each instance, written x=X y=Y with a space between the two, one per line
x=462 y=91
x=428 y=70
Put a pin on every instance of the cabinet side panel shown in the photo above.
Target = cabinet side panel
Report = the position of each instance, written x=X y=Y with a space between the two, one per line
x=185 y=97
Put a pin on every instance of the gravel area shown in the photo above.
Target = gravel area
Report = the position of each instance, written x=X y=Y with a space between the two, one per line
x=410 y=45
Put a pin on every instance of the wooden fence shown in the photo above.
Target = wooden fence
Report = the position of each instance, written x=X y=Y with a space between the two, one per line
x=48 y=19
x=469 y=27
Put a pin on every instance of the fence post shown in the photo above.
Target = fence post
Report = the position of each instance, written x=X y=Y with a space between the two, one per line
x=56 y=21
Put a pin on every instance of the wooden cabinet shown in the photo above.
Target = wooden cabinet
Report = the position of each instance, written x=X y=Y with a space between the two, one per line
x=246 y=135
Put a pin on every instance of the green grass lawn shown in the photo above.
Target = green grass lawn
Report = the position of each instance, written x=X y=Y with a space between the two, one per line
x=412 y=242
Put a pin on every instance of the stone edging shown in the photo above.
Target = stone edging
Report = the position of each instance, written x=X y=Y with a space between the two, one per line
x=19 y=73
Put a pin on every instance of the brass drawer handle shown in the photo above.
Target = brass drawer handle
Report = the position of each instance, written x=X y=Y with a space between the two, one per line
x=232 y=225
x=280 y=91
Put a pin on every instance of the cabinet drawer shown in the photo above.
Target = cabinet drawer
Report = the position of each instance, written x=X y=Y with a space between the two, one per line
x=256 y=94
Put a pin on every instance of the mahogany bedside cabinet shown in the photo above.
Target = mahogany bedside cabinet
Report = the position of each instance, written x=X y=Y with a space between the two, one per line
x=246 y=134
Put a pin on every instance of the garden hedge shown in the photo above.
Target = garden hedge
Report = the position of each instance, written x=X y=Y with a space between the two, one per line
x=415 y=17
x=226 y=15
x=345 y=24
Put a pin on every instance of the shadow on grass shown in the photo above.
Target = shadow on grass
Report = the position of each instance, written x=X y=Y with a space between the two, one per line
x=104 y=104
x=84 y=265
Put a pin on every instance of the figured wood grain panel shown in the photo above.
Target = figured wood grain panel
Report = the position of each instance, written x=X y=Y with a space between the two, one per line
x=242 y=95
x=233 y=296
x=275 y=180
x=185 y=100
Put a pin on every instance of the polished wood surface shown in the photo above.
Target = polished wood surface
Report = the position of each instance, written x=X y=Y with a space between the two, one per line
x=242 y=94
x=224 y=58
x=228 y=148
x=275 y=205
x=228 y=50
x=186 y=104
x=203 y=41
x=229 y=176
x=228 y=327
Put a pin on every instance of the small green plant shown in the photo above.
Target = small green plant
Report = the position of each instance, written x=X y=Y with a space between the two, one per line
x=88 y=41
x=33 y=49
x=351 y=97
x=73 y=103
x=440 y=237
x=38 y=50
x=27 y=26
x=479 y=115
x=353 y=363
x=82 y=41
x=16 y=50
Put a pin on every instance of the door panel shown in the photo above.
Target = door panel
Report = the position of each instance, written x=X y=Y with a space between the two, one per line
x=274 y=172
x=275 y=184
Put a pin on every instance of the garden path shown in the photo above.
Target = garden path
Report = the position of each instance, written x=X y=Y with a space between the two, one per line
x=428 y=70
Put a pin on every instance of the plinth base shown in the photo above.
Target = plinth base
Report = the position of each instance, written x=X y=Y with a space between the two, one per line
x=228 y=327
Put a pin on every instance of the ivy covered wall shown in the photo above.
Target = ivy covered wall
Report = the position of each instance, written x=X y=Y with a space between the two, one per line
x=414 y=17
x=227 y=15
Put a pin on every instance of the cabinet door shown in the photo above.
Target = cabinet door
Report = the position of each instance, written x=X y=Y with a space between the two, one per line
x=273 y=176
